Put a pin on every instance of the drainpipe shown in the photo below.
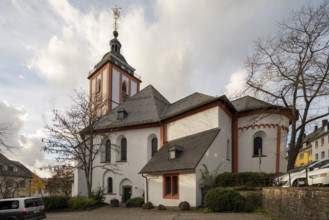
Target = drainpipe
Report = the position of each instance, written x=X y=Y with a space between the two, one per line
x=146 y=188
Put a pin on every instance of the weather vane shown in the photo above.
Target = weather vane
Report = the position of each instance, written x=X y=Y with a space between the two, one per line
x=116 y=16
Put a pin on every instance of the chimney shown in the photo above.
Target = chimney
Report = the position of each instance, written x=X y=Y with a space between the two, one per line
x=325 y=125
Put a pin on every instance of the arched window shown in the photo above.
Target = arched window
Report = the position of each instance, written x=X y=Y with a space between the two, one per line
x=98 y=85
x=228 y=150
x=154 y=146
x=258 y=146
x=108 y=151
x=123 y=149
x=109 y=185
x=124 y=91
x=124 y=88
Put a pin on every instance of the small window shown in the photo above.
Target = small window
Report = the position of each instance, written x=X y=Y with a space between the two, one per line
x=11 y=168
x=316 y=157
x=98 y=86
x=322 y=141
x=171 y=186
x=310 y=152
x=124 y=92
x=108 y=151
x=10 y=183
x=322 y=154
x=11 y=204
x=22 y=184
x=122 y=114
x=301 y=155
x=124 y=149
x=5 y=167
x=228 y=150
x=154 y=146
x=109 y=185
x=316 y=144
x=258 y=146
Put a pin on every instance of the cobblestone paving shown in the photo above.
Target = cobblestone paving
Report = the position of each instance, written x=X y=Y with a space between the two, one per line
x=107 y=212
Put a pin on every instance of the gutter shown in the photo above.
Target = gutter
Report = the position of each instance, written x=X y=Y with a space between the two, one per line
x=146 y=188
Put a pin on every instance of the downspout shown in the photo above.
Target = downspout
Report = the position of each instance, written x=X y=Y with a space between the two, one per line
x=146 y=188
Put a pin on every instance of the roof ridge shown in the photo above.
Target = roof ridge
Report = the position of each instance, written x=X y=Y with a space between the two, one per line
x=155 y=94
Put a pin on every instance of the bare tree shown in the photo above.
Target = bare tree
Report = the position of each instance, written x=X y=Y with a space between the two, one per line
x=74 y=137
x=61 y=179
x=292 y=69
x=9 y=185
x=5 y=133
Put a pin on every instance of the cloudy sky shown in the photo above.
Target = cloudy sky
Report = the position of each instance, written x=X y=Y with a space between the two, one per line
x=180 y=47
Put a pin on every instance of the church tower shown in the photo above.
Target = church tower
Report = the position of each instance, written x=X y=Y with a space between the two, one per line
x=113 y=80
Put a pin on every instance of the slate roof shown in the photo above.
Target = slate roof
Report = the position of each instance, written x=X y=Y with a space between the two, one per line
x=247 y=103
x=192 y=101
x=149 y=106
x=316 y=134
x=142 y=108
x=193 y=146
x=22 y=171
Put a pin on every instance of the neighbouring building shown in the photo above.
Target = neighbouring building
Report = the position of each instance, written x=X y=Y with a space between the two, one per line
x=315 y=145
x=15 y=178
x=163 y=146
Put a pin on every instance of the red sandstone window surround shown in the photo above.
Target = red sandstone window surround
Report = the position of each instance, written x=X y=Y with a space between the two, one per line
x=171 y=186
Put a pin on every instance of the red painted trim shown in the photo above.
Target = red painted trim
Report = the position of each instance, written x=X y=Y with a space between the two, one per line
x=132 y=127
x=278 y=145
x=163 y=134
x=109 y=87
x=283 y=112
x=264 y=126
x=129 y=87
x=171 y=196
x=120 y=88
x=235 y=143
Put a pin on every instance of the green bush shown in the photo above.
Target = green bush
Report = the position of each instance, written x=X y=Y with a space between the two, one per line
x=55 y=202
x=249 y=179
x=98 y=195
x=223 y=200
x=78 y=203
x=226 y=180
x=135 y=202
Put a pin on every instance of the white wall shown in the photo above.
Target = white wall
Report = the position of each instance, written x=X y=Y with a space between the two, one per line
x=115 y=87
x=137 y=143
x=189 y=184
x=193 y=124
x=269 y=134
x=187 y=190
x=79 y=186
x=133 y=88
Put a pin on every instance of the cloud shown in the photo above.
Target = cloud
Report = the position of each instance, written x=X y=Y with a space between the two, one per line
x=236 y=84
x=28 y=146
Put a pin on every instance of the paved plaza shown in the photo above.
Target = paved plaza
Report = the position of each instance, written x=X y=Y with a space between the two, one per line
x=122 y=213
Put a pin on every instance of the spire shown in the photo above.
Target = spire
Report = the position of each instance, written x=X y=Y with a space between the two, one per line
x=115 y=43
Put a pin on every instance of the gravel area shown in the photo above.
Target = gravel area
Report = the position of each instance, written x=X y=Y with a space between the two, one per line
x=107 y=212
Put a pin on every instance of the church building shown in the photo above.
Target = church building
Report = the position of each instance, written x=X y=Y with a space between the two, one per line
x=162 y=147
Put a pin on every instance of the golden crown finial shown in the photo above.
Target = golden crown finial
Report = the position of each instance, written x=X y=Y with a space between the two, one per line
x=116 y=16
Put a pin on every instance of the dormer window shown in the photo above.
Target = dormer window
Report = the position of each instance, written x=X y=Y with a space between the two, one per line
x=175 y=151
x=122 y=114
